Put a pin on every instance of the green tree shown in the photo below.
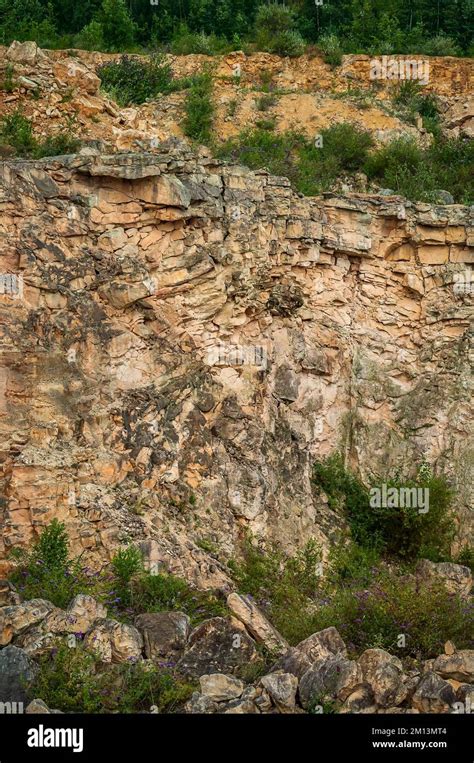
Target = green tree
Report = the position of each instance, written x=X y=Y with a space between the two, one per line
x=119 y=29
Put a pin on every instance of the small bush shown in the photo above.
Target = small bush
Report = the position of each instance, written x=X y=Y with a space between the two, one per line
x=275 y=30
x=133 y=80
x=419 y=174
x=91 y=37
x=466 y=557
x=17 y=131
x=265 y=102
x=57 y=145
x=281 y=585
x=47 y=571
x=331 y=49
x=397 y=531
x=185 y=43
x=391 y=605
x=410 y=97
x=8 y=84
x=125 y=565
x=441 y=45
x=347 y=144
x=265 y=124
x=159 y=593
x=232 y=107
x=199 y=109
x=74 y=681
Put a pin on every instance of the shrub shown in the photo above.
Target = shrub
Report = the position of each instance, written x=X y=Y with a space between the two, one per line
x=369 y=603
x=348 y=144
x=47 y=571
x=158 y=593
x=185 y=43
x=199 y=109
x=281 y=585
x=331 y=49
x=74 y=681
x=397 y=531
x=275 y=30
x=311 y=169
x=441 y=45
x=8 y=84
x=118 y=28
x=466 y=557
x=57 y=145
x=391 y=605
x=418 y=174
x=265 y=124
x=133 y=80
x=265 y=102
x=125 y=565
x=91 y=37
x=17 y=131
x=410 y=97
x=258 y=148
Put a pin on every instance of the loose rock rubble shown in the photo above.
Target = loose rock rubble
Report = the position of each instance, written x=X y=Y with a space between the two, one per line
x=308 y=94
x=310 y=677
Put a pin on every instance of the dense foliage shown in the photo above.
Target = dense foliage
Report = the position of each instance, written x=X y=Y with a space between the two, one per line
x=344 y=150
x=208 y=26
x=403 y=531
x=370 y=602
x=75 y=681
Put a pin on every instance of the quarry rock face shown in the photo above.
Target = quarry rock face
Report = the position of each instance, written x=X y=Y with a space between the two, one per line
x=181 y=339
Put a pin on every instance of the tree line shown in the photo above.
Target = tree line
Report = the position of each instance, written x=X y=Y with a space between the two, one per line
x=434 y=27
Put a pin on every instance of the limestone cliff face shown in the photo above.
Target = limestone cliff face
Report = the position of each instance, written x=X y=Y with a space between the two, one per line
x=191 y=336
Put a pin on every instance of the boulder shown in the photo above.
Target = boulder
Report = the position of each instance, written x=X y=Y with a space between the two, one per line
x=218 y=645
x=16 y=619
x=263 y=702
x=433 y=695
x=76 y=74
x=17 y=671
x=294 y=662
x=26 y=53
x=282 y=689
x=456 y=577
x=384 y=674
x=164 y=633
x=324 y=643
x=241 y=707
x=360 y=701
x=36 y=642
x=81 y=614
x=464 y=699
x=333 y=677
x=220 y=687
x=459 y=666
x=245 y=610
x=8 y=594
x=112 y=641
x=200 y=704
x=37 y=707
